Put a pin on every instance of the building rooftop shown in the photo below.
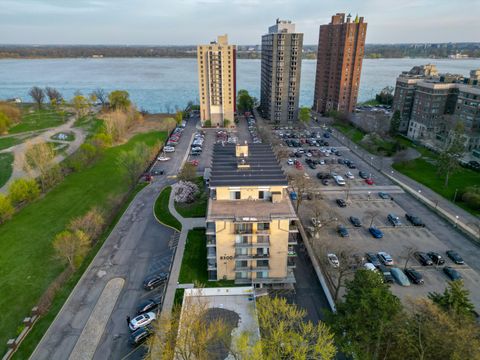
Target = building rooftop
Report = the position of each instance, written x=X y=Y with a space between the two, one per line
x=250 y=210
x=258 y=167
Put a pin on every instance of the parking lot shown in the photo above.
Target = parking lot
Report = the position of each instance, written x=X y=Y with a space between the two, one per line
x=364 y=203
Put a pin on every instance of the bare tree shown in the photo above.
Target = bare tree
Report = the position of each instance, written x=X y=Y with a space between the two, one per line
x=282 y=153
x=40 y=157
x=91 y=224
x=300 y=184
x=371 y=215
x=409 y=252
x=101 y=96
x=71 y=247
x=116 y=124
x=54 y=95
x=323 y=215
x=38 y=95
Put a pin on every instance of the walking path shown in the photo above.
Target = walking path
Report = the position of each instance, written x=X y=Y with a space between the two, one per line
x=19 y=150
x=187 y=225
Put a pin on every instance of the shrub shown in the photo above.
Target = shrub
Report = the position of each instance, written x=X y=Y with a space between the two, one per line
x=23 y=190
x=188 y=172
x=185 y=192
x=6 y=209
x=207 y=123
x=91 y=224
x=472 y=197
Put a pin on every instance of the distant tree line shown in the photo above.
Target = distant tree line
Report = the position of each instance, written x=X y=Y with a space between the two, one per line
x=244 y=52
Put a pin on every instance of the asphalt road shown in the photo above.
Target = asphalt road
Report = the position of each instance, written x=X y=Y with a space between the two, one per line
x=137 y=247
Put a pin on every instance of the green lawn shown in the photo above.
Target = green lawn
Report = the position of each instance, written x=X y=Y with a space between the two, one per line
x=194 y=262
x=354 y=134
x=37 y=120
x=7 y=142
x=162 y=212
x=27 y=266
x=371 y=102
x=35 y=335
x=6 y=161
x=426 y=173
x=197 y=208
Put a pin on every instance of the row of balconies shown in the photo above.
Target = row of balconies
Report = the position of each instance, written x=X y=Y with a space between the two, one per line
x=210 y=230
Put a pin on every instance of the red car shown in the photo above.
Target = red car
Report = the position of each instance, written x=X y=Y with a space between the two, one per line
x=369 y=181
x=299 y=166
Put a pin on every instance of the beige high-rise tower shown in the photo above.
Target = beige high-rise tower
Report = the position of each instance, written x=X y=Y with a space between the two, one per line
x=217 y=81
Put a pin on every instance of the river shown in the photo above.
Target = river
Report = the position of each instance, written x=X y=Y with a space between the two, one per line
x=160 y=84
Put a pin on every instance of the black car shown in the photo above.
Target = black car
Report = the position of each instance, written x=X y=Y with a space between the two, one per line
x=153 y=281
x=363 y=174
x=352 y=166
x=147 y=305
x=341 y=203
x=414 y=220
x=423 y=258
x=437 y=259
x=322 y=175
x=355 y=221
x=325 y=181
x=340 y=161
x=342 y=230
x=298 y=155
x=387 y=275
x=414 y=275
x=452 y=273
x=346 y=162
x=140 y=335
x=456 y=258
x=373 y=258
x=312 y=165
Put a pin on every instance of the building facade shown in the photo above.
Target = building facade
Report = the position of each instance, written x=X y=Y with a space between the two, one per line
x=430 y=104
x=281 y=69
x=251 y=224
x=341 y=47
x=217 y=81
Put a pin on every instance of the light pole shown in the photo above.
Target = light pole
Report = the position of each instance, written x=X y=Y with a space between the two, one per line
x=455 y=196
x=456 y=220
x=369 y=195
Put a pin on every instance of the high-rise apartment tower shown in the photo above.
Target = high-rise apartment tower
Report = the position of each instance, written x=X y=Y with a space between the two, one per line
x=341 y=46
x=281 y=67
x=217 y=81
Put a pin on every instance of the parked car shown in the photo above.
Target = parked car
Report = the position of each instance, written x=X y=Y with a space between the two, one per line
x=342 y=230
x=153 y=281
x=455 y=257
x=333 y=259
x=163 y=158
x=325 y=182
x=385 y=258
x=355 y=221
x=423 y=258
x=363 y=175
x=349 y=175
x=376 y=233
x=369 y=181
x=147 y=305
x=352 y=166
x=373 y=258
x=452 y=273
x=314 y=221
x=400 y=276
x=293 y=195
x=290 y=161
x=385 y=271
x=341 y=203
x=169 y=149
x=369 y=266
x=384 y=195
x=141 y=320
x=140 y=335
x=437 y=259
x=414 y=276
x=394 y=219
x=414 y=220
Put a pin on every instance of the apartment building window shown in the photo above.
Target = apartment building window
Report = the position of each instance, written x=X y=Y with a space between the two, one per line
x=262 y=275
x=235 y=195
x=241 y=264
x=263 y=226
x=262 y=263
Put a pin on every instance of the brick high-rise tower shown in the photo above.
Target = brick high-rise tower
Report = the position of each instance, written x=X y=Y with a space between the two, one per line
x=341 y=47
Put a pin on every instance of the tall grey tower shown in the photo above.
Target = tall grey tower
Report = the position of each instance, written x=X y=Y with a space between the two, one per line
x=281 y=67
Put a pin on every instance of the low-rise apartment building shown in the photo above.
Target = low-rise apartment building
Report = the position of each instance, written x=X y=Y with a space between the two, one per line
x=251 y=223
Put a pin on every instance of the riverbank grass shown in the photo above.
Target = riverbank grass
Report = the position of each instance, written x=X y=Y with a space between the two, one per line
x=37 y=119
x=25 y=240
x=6 y=167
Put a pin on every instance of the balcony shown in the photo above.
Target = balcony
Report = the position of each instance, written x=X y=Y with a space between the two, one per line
x=211 y=253
x=243 y=231
x=263 y=231
x=293 y=228
x=211 y=240
x=252 y=244
x=210 y=228
x=212 y=265
x=251 y=256
x=291 y=251
x=292 y=239
x=291 y=263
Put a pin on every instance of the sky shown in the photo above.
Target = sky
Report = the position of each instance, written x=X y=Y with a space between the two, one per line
x=188 y=22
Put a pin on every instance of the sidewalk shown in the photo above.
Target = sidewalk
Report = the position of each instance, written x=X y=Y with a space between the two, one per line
x=187 y=225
